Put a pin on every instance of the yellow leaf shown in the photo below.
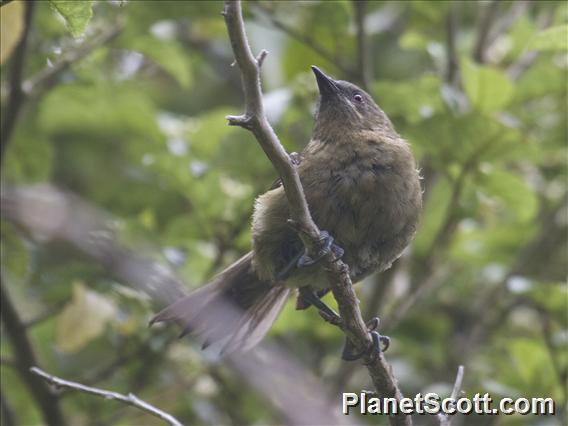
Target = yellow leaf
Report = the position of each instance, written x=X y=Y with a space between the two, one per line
x=83 y=319
x=11 y=27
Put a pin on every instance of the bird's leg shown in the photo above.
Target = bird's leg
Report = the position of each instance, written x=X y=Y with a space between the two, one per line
x=289 y=268
x=325 y=311
x=327 y=245
x=349 y=353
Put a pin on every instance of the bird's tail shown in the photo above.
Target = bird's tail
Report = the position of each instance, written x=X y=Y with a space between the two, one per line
x=235 y=308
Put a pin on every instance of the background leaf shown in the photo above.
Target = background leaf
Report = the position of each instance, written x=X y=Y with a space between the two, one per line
x=76 y=14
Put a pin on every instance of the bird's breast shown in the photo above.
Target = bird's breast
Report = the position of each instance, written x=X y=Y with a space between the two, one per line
x=366 y=199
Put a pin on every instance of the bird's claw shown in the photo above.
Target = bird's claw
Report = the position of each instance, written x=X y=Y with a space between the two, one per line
x=378 y=344
x=327 y=245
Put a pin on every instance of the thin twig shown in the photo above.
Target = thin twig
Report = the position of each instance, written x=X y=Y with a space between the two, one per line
x=338 y=272
x=445 y=419
x=129 y=399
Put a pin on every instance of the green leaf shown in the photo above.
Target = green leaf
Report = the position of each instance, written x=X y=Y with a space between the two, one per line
x=83 y=319
x=555 y=38
x=167 y=54
x=11 y=27
x=105 y=109
x=413 y=100
x=76 y=14
x=488 y=89
x=513 y=196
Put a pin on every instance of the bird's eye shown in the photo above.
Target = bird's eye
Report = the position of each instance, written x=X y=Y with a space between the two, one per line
x=358 y=97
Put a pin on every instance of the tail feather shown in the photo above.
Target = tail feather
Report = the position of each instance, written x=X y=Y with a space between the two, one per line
x=236 y=308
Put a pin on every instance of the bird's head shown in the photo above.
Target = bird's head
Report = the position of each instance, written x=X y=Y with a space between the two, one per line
x=345 y=107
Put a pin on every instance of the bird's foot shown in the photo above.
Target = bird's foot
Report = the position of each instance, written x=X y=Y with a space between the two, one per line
x=379 y=344
x=327 y=246
x=295 y=158
x=311 y=298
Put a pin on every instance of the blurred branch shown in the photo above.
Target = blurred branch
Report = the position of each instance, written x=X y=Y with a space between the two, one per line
x=559 y=368
x=7 y=417
x=445 y=419
x=20 y=92
x=545 y=243
x=488 y=15
x=307 y=40
x=452 y=67
x=129 y=399
x=16 y=95
x=5 y=2
x=47 y=77
x=50 y=214
x=7 y=361
x=140 y=354
x=338 y=272
x=24 y=358
x=509 y=18
x=49 y=312
x=517 y=69
x=216 y=57
x=360 y=9
x=425 y=286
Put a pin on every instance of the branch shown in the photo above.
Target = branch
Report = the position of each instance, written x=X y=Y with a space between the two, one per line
x=21 y=91
x=452 y=65
x=129 y=399
x=338 y=272
x=47 y=214
x=6 y=411
x=485 y=23
x=359 y=7
x=16 y=95
x=445 y=419
x=47 y=77
x=24 y=358
x=307 y=40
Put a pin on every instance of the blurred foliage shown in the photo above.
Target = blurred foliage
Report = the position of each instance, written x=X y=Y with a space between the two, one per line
x=137 y=128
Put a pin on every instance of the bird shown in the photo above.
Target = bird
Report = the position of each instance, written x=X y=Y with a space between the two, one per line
x=363 y=191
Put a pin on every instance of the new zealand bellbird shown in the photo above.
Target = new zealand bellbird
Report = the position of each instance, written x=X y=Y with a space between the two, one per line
x=362 y=187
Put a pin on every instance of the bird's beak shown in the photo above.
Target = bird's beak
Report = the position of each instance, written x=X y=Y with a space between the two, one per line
x=326 y=85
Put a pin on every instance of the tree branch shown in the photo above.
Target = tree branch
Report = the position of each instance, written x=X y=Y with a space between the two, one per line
x=24 y=358
x=338 y=272
x=16 y=95
x=452 y=65
x=47 y=77
x=485 y=23
x=129 y=399
x=360 y=8
x=48 y=214
x=445 y=419
x=6 y=411
x=20 y=91
x=307 y=40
